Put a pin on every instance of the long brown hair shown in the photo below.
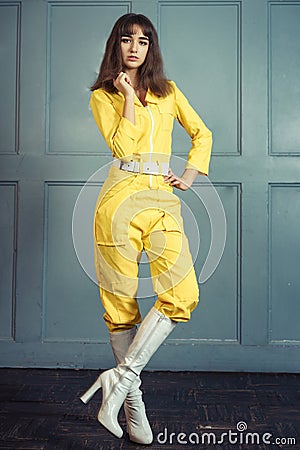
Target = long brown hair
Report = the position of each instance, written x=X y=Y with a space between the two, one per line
x=151 y=73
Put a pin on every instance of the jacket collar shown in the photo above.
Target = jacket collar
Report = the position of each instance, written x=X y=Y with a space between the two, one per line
x=151 y=98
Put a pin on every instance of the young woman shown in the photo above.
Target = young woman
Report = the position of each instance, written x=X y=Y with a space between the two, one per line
x=134 y=106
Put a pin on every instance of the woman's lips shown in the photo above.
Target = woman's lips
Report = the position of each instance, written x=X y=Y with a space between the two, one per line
x=132 y=58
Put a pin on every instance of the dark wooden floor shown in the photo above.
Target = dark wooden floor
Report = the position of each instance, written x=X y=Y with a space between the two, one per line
x=40 y=409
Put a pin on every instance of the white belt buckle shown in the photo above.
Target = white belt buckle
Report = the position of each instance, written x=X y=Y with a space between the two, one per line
x=130 y=166
x=151 y=168
x=164 y=168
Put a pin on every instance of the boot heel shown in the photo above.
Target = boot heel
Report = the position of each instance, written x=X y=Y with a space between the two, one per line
x=91 y=391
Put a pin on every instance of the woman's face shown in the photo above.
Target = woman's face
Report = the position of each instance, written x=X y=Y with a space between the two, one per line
x=134 y=48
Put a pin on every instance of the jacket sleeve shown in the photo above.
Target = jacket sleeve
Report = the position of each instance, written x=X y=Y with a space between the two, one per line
x=200 y=151
x=119 y=133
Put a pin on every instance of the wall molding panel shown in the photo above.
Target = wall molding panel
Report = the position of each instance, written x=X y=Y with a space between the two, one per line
x=217 y=320
x=284 y=252
x=70 y=126
x=283 y=78
x=10 y=36
x=8 y=259
x=67 y=290
x=203 y=21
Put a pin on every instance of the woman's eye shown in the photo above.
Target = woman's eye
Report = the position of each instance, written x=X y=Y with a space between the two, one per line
x=125 y=40
x=143 y=43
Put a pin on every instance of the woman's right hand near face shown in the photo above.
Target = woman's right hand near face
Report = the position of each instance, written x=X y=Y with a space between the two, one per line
x=123 y=84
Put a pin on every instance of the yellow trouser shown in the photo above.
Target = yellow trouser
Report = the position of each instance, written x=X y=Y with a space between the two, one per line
x=131 y=217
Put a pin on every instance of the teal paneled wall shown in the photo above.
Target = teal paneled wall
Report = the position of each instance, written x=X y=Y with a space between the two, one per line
x=238 y=63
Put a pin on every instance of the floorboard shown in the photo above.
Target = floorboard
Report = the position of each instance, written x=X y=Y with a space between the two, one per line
x=40 y=409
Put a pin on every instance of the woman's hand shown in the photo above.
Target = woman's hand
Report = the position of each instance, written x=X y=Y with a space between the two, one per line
x=176 y=181
x=183 y=183
x=123 y=84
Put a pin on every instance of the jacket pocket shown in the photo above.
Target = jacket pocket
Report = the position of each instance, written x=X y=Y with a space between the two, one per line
x=108 y=231
x=112 y=219
x=167 y=114
x=115 y=191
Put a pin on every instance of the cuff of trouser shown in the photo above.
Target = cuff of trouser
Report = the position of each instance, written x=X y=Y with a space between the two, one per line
x=118 y=328
x=180 y=313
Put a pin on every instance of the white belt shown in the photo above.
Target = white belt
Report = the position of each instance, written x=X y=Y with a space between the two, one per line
x=150 y=168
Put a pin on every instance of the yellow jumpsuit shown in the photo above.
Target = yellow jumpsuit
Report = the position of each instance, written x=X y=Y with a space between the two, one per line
x=137 y=211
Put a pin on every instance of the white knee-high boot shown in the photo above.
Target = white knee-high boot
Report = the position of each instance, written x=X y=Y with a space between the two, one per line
x=138 y=426
x=116 y=383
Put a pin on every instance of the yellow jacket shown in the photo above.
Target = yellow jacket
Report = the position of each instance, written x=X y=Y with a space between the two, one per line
x=152 y=132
